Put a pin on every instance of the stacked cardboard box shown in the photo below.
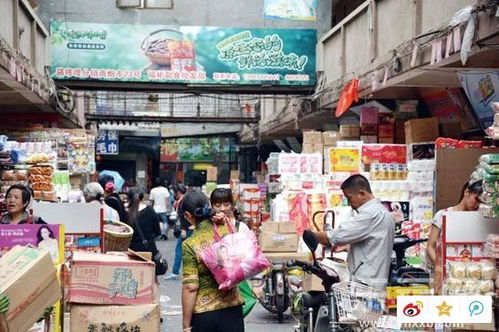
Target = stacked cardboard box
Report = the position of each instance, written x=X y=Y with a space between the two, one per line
x=29 y=279
x=113 y=291
x=279 y=242
x=312 y=142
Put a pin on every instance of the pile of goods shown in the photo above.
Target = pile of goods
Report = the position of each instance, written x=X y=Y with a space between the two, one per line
x=471 y=278
x=488 y=171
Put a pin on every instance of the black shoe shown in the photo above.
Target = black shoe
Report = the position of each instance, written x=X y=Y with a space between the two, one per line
x=164 y=237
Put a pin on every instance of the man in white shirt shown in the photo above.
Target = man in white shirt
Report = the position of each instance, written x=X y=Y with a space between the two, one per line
x=160 y=198
x=369 y=232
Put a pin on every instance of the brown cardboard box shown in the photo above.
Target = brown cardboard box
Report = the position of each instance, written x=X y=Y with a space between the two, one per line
x=234 y=174
x=312 y=137
x=111 y=279
x=312 y=148
x=86 y=318
x=287 y=256
x=454 y=167
x=399 y=131
x=330 y=138
x=275 y=242
x=451 y=129
x=29 y=278
x=385 y=140
x=421 y=130
x=212 y=174
x=287 y=227
x=311 y=282
x=270 y=227
x=369 y=139
x=349 y=132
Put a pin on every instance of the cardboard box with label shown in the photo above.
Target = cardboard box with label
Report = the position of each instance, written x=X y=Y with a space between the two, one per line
x=309 y=148
x=287 y=227
x=287 y=256
x=29 y=278
x=111 y=279
x=275 y=242
x=312 y=137
x=86 y=318
x=212 y=174
x=421 y=130
x=393 y=291
x=270 y=227
x=330 y=138
x=311 y=282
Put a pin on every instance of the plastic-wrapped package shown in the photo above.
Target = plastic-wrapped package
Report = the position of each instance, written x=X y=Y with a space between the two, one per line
x=492 y=158
x=457 y=270
x=490 y=186
x=488 y=211
x=471 y=287
x=486 y=286
x=489 y=271
x=474 y=270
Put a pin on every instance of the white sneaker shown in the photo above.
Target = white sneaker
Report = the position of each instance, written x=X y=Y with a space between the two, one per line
x=171 y=276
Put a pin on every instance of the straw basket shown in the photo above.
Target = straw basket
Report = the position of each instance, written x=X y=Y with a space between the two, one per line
x=156 y=49
x=114 y=241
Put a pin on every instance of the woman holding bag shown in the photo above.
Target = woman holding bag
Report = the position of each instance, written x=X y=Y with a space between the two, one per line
x=205 y=307
x=222 y=203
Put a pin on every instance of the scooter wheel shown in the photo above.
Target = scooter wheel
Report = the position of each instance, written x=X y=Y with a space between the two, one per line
x=280 y=308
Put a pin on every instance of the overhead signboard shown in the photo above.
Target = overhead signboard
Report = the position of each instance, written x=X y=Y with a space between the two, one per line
x=107 y=142
x=197 y=129
x=293 y=10
x=182 y=54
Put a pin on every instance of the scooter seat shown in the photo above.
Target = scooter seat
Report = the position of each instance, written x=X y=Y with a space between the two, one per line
x=313 y=300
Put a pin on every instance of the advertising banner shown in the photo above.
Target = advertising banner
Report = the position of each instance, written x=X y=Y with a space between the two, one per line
x=43 y=236
x=294 y=10
x=202 y=149
x=481 y=89
x=182 y=54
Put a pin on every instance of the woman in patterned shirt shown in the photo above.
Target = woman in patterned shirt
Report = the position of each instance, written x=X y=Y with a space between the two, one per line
x=205 y=308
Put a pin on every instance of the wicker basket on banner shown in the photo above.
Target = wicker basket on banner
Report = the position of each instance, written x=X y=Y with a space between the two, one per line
x=157 y=50
x=117 y=241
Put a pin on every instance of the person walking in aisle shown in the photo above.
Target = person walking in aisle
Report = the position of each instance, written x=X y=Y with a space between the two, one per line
x=144 y=220
x=160 y=197
x=204 y=307
x=184 y=229
x=94 y=194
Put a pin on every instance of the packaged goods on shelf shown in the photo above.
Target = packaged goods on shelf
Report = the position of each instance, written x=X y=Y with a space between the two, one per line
x=492 y=245
x=487 y=170
x=369 y=120
x=344 y=160
x=471 y=278
x=384 y=154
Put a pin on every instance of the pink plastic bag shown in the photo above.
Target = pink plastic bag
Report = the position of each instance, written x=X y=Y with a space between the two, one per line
x=234 y=258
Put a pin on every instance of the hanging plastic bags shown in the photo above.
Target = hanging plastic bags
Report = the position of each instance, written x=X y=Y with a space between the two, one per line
x=234 y=258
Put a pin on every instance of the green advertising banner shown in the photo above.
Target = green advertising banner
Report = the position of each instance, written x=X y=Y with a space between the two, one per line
x=199 y=55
